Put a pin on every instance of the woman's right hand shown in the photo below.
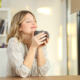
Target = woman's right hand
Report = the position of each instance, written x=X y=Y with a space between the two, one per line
x=38 y=40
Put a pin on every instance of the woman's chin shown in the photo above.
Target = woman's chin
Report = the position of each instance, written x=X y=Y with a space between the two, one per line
x=33 y=30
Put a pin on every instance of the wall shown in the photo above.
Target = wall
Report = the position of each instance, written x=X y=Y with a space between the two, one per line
x=54 y=23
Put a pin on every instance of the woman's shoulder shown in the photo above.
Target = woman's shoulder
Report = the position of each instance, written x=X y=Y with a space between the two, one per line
x=14 y=43
x=14 y=40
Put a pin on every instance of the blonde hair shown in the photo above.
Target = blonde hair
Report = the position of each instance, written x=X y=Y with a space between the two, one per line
x=15 y=23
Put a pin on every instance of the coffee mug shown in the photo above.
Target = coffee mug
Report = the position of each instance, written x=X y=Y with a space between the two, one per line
x=45 y=32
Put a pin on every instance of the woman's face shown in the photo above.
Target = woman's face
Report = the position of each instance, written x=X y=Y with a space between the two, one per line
x=28 y=25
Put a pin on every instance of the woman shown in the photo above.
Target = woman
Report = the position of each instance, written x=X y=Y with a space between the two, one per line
x=27 y=55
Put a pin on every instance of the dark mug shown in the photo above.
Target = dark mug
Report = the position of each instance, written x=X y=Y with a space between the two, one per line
x=45 y=32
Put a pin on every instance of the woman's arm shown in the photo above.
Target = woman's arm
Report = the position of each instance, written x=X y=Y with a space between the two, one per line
x=42 y=61
x=22 y=67
x=40 y=57
x=30 y=57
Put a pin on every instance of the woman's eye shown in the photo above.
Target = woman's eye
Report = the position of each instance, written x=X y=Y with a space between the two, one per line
x=27 y=21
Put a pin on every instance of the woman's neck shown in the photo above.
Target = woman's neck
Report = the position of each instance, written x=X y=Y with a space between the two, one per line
x=27 y=39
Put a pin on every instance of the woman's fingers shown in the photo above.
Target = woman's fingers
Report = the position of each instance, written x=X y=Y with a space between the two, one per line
x=39 y=34
x=44 y=42
x=41 y=43
x=42 y=36
x=43 y=39
x=47 y=40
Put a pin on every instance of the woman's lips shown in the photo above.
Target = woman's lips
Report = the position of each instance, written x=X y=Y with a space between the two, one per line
x=33 y=27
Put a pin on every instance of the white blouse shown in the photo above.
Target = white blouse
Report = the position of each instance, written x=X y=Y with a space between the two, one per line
x=16 y=53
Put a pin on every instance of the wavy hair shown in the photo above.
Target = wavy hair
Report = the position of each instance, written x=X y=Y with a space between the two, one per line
x=15 y=24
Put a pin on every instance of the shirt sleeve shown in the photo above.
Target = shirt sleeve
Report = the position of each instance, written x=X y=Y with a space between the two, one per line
x=16 y=58
x=44 y=69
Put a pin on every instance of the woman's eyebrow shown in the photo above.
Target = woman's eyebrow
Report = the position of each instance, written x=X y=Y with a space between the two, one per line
x=29 y=18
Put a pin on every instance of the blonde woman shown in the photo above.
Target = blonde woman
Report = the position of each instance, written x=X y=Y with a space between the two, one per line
x=26 y=55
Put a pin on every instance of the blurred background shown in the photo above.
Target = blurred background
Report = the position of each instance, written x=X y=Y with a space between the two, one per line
x=54 y=16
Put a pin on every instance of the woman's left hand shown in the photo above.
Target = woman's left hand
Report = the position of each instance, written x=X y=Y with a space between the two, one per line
x=45 y=42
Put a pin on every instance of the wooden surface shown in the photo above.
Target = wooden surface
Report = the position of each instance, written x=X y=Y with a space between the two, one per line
x=43 y=78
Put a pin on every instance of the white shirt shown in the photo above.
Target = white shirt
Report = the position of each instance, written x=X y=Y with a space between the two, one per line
x=16 y=53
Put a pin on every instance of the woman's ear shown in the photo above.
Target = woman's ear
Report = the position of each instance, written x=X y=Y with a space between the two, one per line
x=20 y=27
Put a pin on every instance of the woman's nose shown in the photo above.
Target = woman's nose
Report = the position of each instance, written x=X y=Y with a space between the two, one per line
x=33 y=22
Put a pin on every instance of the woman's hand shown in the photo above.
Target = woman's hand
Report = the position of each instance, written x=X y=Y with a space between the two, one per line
x=45 y=42
x=37 y=41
